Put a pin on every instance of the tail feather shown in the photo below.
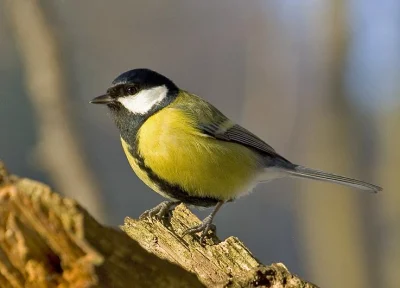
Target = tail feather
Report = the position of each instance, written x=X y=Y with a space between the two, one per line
x=304 y=172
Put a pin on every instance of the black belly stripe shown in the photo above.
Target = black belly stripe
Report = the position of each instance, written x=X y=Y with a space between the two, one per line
x=172 y=190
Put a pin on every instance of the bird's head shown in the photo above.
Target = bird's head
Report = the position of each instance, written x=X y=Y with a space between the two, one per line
x=138 y=91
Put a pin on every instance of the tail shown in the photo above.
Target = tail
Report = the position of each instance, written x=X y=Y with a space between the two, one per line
x=303 y=172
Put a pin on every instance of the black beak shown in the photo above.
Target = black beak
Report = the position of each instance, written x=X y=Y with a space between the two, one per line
x=103 y=99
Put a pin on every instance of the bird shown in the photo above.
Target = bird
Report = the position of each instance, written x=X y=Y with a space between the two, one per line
x=185 y=149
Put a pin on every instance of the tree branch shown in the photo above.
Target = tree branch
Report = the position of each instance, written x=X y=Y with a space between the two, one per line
x=50 y=241
x=225 y=263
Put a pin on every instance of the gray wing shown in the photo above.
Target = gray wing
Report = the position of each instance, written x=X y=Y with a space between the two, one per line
x=240 y=135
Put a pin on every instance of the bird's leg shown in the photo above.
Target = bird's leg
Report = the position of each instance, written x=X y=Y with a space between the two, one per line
x=205 y=225
x=160 y=211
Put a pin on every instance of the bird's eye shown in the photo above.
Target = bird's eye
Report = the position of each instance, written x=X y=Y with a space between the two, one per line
x=131 y=90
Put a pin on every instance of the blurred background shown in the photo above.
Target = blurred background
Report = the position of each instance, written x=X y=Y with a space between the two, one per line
x=318 y=80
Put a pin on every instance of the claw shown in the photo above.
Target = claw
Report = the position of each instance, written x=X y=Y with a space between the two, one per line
x=205 y=226
x=160 y=211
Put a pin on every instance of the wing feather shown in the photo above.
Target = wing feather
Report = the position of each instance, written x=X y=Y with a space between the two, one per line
x=214 y=123
x=241 y=135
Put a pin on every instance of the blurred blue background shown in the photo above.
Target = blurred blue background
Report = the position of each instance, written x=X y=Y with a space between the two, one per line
x=318 y=80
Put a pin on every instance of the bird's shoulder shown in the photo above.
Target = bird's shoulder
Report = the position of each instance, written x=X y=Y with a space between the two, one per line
x=198 y=109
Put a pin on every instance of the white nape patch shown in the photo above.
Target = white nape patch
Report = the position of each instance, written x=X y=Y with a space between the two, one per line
x=143 y=101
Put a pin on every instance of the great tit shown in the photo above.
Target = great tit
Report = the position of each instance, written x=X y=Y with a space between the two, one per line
x=185 y=149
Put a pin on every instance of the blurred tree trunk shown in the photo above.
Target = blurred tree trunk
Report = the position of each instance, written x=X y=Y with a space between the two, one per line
x=329 y=215
x=374 y=74
x=388 y=173
x=58 y=149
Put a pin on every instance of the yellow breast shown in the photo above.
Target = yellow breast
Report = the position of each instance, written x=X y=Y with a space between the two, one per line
x=177 y=152
x=135 y=166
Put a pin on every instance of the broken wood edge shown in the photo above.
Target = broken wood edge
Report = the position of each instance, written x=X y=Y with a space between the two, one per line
x=50 y=241
x=227 y=263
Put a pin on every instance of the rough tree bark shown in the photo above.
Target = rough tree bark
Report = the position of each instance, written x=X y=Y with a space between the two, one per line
x=50 y=241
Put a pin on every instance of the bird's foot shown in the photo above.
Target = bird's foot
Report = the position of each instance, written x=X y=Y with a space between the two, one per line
x=205 y=226
x=161 y=211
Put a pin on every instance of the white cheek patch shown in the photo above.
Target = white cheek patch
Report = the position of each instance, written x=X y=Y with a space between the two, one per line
x=143 y=101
